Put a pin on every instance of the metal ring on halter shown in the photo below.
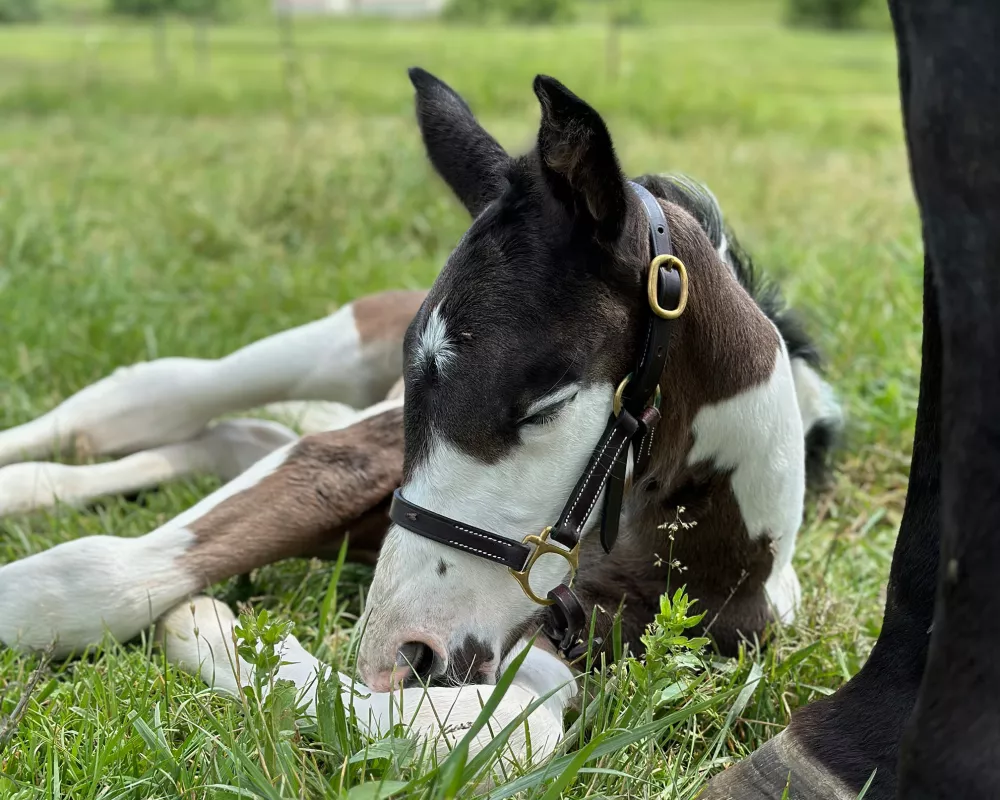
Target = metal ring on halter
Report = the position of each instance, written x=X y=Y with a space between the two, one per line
x=673 y=262
x=542 y=547
x=620 y=391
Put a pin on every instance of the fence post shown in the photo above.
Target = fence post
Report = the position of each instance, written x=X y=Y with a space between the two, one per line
x=202 y=46
x=160 y=50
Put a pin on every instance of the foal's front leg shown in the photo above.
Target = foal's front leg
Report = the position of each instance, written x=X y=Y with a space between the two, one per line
x=352 y=356
x=198 y=638
x=301 y=500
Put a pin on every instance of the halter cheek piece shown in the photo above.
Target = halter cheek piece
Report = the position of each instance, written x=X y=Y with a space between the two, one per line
x=632 y=423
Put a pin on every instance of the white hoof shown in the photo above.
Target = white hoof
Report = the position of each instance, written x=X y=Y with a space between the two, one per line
x=236 y=445
x=197 y=638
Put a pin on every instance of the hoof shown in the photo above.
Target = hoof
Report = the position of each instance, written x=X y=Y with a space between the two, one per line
x=779 y=766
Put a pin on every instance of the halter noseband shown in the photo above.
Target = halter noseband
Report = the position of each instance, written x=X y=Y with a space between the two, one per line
x=632 y=423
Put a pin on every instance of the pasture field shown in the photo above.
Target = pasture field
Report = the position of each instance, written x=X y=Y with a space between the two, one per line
x=186 y=200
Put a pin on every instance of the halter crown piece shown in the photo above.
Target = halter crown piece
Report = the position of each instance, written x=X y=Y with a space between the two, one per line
x=633 y=421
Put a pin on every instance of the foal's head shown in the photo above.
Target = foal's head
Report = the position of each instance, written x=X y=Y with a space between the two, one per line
x=510 y=371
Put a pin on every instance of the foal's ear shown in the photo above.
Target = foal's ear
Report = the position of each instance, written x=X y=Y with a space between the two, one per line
x=578 y=158
x=471 y=161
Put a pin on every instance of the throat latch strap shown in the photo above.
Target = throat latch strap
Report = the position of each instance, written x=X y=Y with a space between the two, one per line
x=611 y=450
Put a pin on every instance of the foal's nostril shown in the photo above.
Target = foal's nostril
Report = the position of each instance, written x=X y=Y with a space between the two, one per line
x=419 y=657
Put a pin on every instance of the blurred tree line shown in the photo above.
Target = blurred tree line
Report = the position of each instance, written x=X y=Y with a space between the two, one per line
x=203 y=9
x=831 y=14
x=24 y=11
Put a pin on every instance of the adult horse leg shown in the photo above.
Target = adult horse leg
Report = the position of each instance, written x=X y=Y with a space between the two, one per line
x=950 y=85
x=299 y=501
x=353 y=356
x=951 y=746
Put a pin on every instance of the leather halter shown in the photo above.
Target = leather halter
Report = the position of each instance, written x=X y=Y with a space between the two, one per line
x=632 y=423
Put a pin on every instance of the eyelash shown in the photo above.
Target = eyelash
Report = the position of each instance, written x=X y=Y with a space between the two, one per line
x=546 y=416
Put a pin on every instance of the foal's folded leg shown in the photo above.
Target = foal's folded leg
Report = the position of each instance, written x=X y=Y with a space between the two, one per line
x=352 y=356
x=198 y=638
x=226 y=450
x=299 y=501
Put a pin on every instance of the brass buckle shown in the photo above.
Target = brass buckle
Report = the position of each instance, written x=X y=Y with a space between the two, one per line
x=543 y=546
x=654 y=270
x=617 y=408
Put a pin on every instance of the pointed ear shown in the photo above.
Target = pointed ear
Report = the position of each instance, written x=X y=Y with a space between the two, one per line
x=579 y=160
x=471 y=161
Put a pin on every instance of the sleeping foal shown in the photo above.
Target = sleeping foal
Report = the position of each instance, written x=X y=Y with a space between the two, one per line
x=514 y=369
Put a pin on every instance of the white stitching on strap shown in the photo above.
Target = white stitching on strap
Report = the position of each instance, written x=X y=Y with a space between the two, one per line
x=498 y=540
x=647 y=444
x=590 y=474
x=604 y=480
x=482 y=553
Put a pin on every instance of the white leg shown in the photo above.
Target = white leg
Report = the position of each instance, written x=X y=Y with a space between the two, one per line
x=352 y=356
x=226 y=450
x=198 y=638
x=302 y=497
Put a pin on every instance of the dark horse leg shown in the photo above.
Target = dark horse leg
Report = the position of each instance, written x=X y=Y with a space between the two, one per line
x=923 y=714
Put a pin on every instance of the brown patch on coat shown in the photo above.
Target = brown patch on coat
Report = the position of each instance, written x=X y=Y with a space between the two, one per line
x=386 y=315
x=718 y=563
x=726 y=344
x=364 y=537
x=332 y=485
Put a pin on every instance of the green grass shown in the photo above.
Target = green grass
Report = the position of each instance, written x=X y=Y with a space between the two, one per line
x=151 y=209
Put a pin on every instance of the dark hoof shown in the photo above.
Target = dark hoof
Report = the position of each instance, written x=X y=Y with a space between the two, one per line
x=778 y=765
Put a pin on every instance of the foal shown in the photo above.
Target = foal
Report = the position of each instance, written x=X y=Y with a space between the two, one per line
x=511 y=370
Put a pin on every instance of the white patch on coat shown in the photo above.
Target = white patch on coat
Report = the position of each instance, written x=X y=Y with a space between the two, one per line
x=225 y=449
x=758 y=435
x=784 y=593
x=172 y=399
x=434 y=346
x=817 y=401
x=74 y=592
x=724 y=256
x=723 y=249
x=518 y=496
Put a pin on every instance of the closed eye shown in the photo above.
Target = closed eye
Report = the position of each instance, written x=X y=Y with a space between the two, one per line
x=548 y=413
